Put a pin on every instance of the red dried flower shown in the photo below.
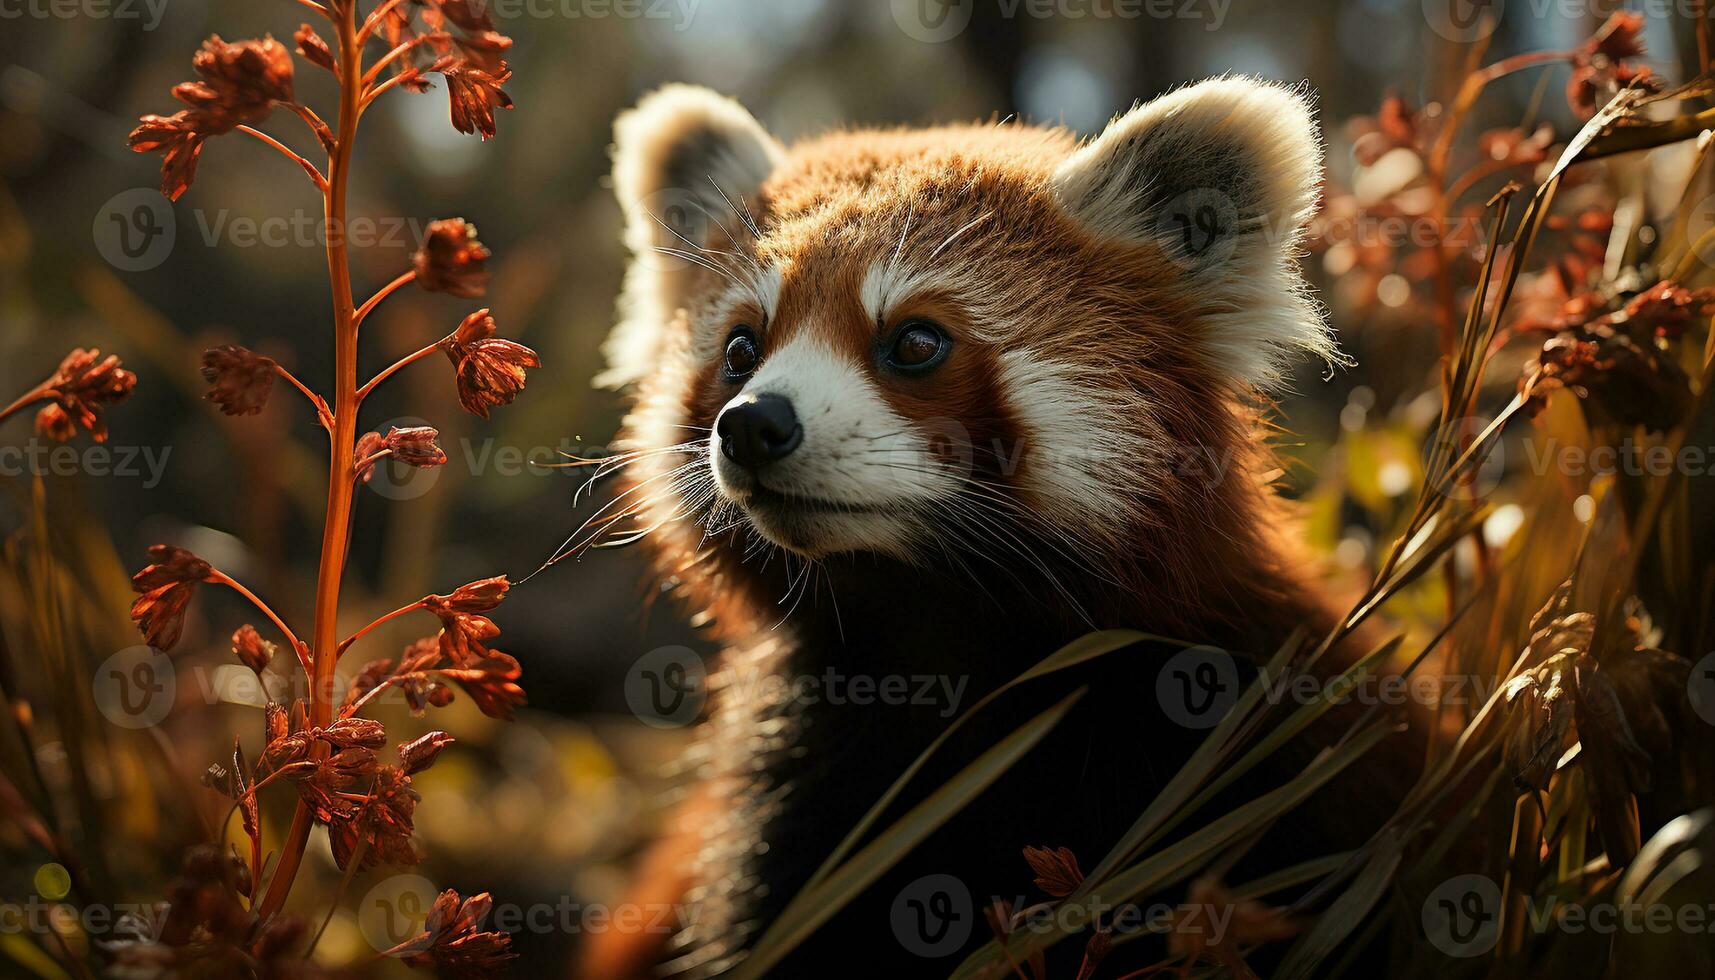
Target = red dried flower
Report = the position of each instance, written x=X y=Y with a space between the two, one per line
x=178 y=140
x=492 y=684
x=314 y=49
x=1096 y=949
x=351 y=732
x=1616 y=361
x=474 y=94
x=240 y=379
x=1056 y=870
x=480 y=596
x=52 y=422
x=275 y=724
x=249 y=647
x=79 y=388
x=462 y=637
x=413 y=676
x=1666 y=309
x=1514 y=147
x=286 y=748
x=1619 y=37
x=453 y=940
x=490 y=371
x=383 y=820
x=201 y=905
x=1396 y=124
x=463 y=630
x=1250 y=923
x=167 y=585
x=452 y=260
x=367 y=446
x=1599 y=67
x=1619 y=379
x=420 y=753
x=327 y=785
x=240 y=83
x=415 y=446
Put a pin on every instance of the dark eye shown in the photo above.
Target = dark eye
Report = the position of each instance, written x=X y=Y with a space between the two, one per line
x=918 y=347
x=741 y=354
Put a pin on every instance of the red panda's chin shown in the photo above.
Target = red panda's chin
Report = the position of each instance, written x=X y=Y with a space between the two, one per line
x=815 y=528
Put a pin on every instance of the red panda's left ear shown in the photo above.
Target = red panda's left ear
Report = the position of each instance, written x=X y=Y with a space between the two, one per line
x=1221 y=176
x=682 y=159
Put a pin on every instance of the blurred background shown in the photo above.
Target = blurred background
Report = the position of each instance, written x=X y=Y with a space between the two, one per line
x=556 y=803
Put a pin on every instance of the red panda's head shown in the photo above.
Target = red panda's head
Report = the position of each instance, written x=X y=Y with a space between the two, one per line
x=921 y=342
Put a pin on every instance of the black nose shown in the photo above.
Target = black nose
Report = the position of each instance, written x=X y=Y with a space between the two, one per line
x=756 y=430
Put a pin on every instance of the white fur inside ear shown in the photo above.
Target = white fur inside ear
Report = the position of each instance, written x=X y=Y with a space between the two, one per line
x=679 y=158
x=1222 y=175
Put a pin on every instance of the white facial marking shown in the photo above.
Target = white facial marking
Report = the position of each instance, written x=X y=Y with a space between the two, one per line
x=1073 y=446
x=887 y=283
x=767 y=286
x=856 y=453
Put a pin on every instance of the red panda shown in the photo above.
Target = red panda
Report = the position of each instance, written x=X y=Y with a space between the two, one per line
x=957 y=395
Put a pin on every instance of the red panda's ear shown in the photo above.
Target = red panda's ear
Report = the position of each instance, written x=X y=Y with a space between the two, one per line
x=1222 y=176
x=674 y=157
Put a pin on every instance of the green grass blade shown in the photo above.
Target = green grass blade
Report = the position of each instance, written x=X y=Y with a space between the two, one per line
x=1195 y=772
x=814 y=906
x=1348 y=911
x=1082 y=650
x=1178 y=861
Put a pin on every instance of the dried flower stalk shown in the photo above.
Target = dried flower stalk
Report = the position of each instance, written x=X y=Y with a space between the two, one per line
x=320 y=746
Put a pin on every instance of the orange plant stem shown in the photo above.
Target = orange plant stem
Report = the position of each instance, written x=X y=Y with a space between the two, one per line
x=337 y=522
x=28 y=398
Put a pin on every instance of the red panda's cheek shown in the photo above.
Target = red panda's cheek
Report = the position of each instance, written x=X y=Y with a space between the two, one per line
x=962 y=412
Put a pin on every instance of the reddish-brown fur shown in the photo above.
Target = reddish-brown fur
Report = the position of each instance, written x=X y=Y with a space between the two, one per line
x=1204 y=548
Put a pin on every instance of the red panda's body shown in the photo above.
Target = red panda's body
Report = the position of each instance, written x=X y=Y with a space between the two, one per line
x=915 y=408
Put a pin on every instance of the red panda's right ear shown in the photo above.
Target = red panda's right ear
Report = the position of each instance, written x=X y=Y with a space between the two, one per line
x=674 y=157
x=1221 y=176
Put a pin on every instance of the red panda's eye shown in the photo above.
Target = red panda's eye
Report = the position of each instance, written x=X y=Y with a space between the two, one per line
x=741 y=355
x=919 y=346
